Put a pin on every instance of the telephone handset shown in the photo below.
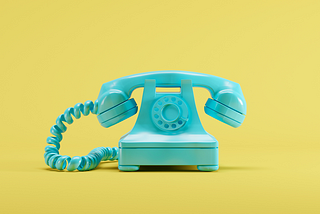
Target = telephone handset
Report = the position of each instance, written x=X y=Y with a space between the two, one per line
x=168 y=130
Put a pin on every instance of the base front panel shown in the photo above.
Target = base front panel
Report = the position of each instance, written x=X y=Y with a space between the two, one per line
x=168 y=156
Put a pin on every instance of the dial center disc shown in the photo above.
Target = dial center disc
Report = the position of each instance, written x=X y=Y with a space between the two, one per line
x=170 y=112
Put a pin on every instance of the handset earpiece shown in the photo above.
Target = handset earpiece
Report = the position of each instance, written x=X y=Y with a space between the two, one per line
x=228 y=107
x=114 y=106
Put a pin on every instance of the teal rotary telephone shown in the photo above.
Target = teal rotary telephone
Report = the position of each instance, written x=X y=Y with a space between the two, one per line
x=168 y=130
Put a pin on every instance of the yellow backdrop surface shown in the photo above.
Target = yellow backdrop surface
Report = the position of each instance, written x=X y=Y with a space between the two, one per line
x=54 y=54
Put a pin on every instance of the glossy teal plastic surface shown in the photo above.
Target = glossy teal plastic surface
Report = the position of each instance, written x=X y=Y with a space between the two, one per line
x=168 y=130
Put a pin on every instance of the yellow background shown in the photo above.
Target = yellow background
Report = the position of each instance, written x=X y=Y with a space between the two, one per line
x=54 y=54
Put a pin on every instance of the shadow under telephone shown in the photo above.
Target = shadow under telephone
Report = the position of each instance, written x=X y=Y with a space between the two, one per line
x=168 y=130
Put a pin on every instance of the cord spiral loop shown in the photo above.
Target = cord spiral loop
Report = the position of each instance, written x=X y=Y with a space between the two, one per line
x=84 y=163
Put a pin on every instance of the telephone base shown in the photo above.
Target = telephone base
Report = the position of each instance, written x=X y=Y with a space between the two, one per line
x=206 y=159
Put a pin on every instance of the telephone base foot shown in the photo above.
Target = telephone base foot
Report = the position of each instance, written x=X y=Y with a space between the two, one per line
x=208 y=168
x=127 y=168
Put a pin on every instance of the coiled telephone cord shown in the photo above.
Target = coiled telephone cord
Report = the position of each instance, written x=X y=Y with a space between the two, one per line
x=84 y=163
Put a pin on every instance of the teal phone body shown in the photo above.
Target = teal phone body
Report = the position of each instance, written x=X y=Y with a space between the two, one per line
x=168 y=130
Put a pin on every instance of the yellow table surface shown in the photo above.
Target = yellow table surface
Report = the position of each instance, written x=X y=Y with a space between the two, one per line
x=54 y=54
